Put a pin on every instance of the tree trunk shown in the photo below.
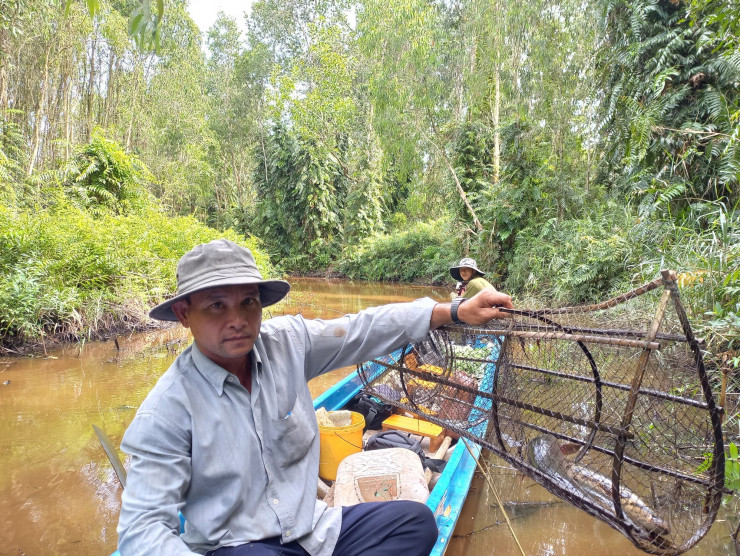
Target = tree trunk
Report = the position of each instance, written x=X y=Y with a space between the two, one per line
x=56 y=108
x=134 y=110
x=129 y=130
x=496 y=127
x=473 y=60
x=91 y=85
x=5 y=50
x=136 y=102
x=40 y=115
x=116 y=100
x=68 y=119
x=109 y=88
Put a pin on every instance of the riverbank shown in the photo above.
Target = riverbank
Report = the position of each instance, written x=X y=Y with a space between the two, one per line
x=70 y=274
x=40 y=346
x=334 y=273
x=133 y=317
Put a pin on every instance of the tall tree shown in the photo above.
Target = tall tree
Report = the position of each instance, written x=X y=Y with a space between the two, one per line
x=172 y=121
x=415 y=56
x=522 y=94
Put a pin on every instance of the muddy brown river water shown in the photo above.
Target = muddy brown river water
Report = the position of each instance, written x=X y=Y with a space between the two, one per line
x=59 y=494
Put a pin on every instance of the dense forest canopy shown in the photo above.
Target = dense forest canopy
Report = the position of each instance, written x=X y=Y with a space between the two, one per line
x=573 y=148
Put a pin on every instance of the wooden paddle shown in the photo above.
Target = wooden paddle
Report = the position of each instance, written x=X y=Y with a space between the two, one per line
x=110 y=451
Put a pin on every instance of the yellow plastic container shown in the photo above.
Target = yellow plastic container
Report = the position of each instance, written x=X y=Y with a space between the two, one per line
x=337 y=443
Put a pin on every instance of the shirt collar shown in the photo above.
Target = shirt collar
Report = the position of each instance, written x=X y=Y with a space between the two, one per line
x=256 y=359
x=215 y=374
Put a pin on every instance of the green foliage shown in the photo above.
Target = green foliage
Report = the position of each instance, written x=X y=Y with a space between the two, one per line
x=670 y=113
x=580 y=259
x=711 y=259
x=364 y=209
x=324 y=185
x=327 y=112
x=143 y=24
x=66 y=272
x=182 y=144
x=531 y=192
x=102 y=175
x=584 y=259
x=318 y=132
x=705 y=251
x=476 y=369
x=12 y=156
x=299 y=200
x=422 y=252
x=732 y=467
x=473 y=161
x=23 y=303
x=233 y=96
x=412 y=56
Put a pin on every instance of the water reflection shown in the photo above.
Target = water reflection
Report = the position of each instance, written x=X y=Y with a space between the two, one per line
x=59 y=494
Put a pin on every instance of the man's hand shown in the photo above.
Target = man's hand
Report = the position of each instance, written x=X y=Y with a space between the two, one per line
x=479 y=309
x=483 y=307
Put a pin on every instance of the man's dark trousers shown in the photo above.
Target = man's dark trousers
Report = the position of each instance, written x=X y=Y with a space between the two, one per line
x=368 y=529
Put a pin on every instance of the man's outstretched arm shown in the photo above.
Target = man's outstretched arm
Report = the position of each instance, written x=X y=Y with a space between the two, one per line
x=479 y=309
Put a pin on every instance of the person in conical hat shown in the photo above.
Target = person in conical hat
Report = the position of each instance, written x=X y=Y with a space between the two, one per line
x=228 y=435
x=470 y=278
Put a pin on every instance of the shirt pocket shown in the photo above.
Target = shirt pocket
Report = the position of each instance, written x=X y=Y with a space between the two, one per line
x=293 y=435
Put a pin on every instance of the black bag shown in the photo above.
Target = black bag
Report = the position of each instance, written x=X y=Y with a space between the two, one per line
x=373 y=410
x=397 y=439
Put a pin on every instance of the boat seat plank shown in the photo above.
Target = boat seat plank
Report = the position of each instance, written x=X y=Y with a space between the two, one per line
x=435 y=433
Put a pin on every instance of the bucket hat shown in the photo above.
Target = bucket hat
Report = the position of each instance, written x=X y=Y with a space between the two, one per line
x=467 y=262
x=219 y=263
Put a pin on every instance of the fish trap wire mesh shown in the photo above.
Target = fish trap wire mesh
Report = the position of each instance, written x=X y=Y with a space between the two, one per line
x=608 y=406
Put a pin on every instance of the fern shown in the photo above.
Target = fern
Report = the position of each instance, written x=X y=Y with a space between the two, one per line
x=675 y=80
x=103 y=177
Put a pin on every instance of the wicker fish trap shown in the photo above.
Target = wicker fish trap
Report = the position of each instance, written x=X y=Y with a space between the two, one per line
x=608 y=406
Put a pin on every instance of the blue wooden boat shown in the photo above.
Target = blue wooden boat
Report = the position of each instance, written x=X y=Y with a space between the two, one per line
x=451 y=489
x=448 y=495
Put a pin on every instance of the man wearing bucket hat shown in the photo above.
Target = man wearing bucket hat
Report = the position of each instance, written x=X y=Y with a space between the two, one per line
x=228 y=435
x=470 y=278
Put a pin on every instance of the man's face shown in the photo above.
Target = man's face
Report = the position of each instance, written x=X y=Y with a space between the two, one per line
x=224 y=321
x=466 y=273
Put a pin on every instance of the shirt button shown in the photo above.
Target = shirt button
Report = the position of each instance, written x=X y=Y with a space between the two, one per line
x=287 y=533
x=275 y=501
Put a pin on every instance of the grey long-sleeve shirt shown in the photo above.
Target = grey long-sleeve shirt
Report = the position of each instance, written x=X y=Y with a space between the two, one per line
x=241 y=466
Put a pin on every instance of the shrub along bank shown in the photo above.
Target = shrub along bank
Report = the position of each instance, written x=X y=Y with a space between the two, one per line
x=68 y=274
x=422 y=253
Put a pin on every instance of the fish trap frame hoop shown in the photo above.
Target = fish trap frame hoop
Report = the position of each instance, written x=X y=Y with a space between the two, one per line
x=609 y=413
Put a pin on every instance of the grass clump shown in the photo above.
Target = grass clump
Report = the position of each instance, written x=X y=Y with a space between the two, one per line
x=421 y=253
x=70 y=274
